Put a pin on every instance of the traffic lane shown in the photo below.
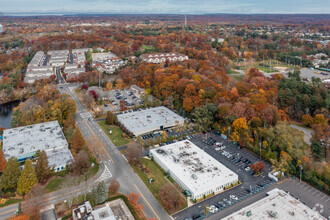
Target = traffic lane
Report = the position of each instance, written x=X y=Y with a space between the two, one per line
x=121 y=168
x=152 y=207
x=8 y=211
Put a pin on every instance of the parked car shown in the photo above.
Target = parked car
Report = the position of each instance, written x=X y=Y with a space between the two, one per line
x=261 y=184
x=222 y=204
x=233 y=197
x=227 y=201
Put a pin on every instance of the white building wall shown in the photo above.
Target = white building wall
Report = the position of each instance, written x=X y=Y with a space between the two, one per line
x=194 y=194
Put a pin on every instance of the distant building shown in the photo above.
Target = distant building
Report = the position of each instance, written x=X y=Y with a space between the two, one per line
x=137 y=90
x=149 y=120
x=162 y=57
x=86 y=212
x=107 y=62
x=24 y=142
x=1 y=28
x=198 y=173
x=58 y=57
x=277 y=205
x=38 y=68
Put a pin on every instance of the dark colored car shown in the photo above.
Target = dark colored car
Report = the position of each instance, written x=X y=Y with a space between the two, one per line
x=261 y=184
x=196 y=216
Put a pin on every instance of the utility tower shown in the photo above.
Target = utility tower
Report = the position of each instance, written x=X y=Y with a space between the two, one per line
x=185 y=20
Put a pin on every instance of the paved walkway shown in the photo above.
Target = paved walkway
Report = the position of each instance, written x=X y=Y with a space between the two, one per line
x=308 y=133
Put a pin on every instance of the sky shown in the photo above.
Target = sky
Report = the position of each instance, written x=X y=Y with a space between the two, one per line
x=166 y=6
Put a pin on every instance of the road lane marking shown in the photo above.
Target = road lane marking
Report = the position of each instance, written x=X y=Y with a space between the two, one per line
x=146 y=201
x=2 y=213
x=98 y=138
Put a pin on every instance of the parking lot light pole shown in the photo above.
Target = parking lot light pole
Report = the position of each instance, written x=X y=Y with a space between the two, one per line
x=301 y=167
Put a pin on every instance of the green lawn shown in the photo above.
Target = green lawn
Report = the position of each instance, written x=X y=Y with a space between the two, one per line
x=92 y=171
x=54 y=184
x=10 y=202
x=232 y=72
x=116 y=136
x=148 y=47
x=237 y=77
x=155 y=173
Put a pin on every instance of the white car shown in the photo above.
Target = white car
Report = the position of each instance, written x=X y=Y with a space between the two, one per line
x=213 y=209
x=218 y=148
x=233 y=197
x=247 y=169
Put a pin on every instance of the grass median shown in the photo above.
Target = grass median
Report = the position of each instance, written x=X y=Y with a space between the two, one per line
x=159 y=177
x=116 y=135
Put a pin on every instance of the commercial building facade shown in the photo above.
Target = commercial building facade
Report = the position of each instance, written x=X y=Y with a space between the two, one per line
x=193 y=169
x=149 y=120
x=24 y=142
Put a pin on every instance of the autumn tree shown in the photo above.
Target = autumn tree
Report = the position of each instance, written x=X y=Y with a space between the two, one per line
x=133 y=155
x=42 y=167
x=123 y=105
x=133 y=200
x=257 y=167
x=240 y=129
x=80 y=164
x=113 y=188
x=307 y=120
x=27 y=179
x=10 y=174
x=78 y=142
x=111 y=118
x=321 y=135
x=170 y=198
x=2 y=161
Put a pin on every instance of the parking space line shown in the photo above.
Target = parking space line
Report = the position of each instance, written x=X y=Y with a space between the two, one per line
x=319 y=194
x=323 y=196
x=315 y=192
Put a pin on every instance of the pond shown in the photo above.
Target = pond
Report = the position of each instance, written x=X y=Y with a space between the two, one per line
x=6 y=110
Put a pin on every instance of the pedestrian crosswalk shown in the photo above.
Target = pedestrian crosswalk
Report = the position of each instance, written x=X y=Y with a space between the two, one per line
x=85 y=115
x=105 y=175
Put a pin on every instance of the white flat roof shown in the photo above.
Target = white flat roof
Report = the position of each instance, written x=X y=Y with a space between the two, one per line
x=24 y=142
x=196 y=169
x=148 y=120
x=279 y=204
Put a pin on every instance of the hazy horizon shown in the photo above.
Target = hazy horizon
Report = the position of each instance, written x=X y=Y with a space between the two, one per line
x=60 y=7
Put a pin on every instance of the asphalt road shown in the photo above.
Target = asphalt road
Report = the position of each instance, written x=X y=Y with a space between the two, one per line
x=113 y=166
x=54 y=197
x=115 y=162
x=308 y=133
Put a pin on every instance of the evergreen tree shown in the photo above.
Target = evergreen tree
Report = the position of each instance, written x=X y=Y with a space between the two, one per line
x=101 y=193
x=27 y=179
x=317 y=149
x=2 y=161
x=19 y=209
x=77 y=141
x=10 y=174
x=42 y=168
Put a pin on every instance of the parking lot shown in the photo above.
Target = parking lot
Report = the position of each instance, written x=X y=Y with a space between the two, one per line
x=115 y=96
x=235 y=159
x=170 y=132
